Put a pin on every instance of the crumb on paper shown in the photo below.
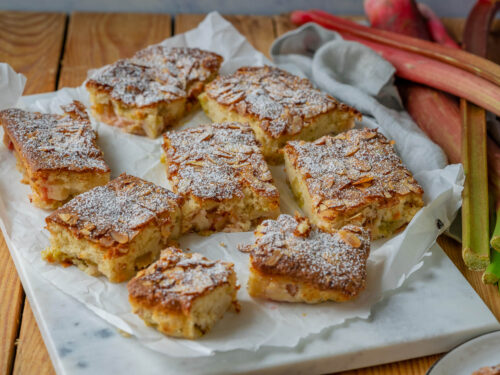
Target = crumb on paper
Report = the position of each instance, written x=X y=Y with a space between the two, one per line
x=223 y=244
x=123 y=333
x=304 y=314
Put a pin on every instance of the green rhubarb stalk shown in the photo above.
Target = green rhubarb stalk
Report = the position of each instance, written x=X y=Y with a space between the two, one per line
x=475 y=234
x=492 y=273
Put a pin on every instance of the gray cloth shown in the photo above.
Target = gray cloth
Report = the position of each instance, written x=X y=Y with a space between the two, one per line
x=358 y=76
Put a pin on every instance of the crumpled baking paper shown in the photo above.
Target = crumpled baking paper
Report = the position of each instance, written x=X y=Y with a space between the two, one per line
x=259 y=323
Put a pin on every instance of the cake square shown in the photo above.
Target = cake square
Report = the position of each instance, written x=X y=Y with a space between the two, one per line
x=294 y=261
x=353 y=178
x=278 y=106
x=152 y=90
x=182 y=294
x=222 y=176
x=114 y=230
x=56 y=153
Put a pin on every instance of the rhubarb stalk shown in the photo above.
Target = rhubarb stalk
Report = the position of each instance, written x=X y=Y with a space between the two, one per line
x=455 y=57
x=475 y=236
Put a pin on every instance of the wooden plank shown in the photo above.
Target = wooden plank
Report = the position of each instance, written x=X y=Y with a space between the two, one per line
x=31 y=44
x=259 y=30
x=32 y=356
x=96 y=39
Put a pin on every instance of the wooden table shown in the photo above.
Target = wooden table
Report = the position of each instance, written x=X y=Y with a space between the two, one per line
x=55 y=50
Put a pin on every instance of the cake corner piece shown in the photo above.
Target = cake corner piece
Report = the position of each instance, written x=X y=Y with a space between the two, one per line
x=114 y=230
x=183 y=294
x=57 y=154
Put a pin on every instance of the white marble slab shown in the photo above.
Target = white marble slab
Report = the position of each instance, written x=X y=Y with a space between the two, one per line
x=435 y=310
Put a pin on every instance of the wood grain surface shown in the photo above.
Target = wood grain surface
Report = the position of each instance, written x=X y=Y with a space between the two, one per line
x=95 y=39
x=31 y=43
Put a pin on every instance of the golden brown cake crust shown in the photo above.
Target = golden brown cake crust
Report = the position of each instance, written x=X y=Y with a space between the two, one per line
x=216 y=161
x=53 y=142
x=156 y=75
x=283 y=103
x=113 y=214
x=351 y=169
x=177 y=279
x=292 y=247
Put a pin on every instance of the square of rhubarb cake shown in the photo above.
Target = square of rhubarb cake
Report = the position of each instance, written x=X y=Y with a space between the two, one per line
x=219 y=171
x=294 y=261
x=56 y=153
x=353 y=178
x=279 y=107
x=183 y=294
x=152 y=90
x=114 y=230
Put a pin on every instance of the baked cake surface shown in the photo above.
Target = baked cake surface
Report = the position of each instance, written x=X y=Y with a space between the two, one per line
x=150 y=91
x=57 y=153
x=294 y=261
x=114 y=229
x=183 y=294
x=353 y=178
x=220 y=172
x=278 y=106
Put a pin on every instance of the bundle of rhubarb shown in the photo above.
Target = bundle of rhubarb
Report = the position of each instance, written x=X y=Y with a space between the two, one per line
x=447 y=90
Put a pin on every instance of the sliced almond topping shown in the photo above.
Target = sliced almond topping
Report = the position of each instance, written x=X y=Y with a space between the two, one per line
x=106 y=241
x=333 y=203
x=273 y=259
x=351 y=150
x=119 y=237
x=350 y=238
x=68 y=218
x=387 y=194
x=320 y=141
x=328 y=182
x=363 y=180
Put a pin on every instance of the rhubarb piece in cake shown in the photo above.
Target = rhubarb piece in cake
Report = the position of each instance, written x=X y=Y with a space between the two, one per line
x=114 y=230
x=278 y=106
x=56 y=153
x=294 y=261
x=182 y=294
x=220 y=172
x=152 y=90
x=353 y=178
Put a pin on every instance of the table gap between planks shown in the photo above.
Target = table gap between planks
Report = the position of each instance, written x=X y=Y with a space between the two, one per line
x=55 y=50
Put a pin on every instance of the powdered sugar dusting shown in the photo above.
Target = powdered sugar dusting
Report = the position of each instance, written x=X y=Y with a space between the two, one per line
x=215 y=161
x=55 y=142
x=176 y=279
x=122 y=207
x=283 y=102
x=319 y=257
x=351 y=168
x=157 y=74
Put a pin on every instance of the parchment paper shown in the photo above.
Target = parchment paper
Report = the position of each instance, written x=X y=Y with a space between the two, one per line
x=260 y=322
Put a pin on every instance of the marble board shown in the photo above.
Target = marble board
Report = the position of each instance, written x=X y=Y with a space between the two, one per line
x=432 y=312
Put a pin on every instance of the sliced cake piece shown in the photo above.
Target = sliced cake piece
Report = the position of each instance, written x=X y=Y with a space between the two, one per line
x=353 y=178
x=152 y=90
x=294 y=261
x=183 y=295
x=56 y=153
x=278 y=106
x=114 y=230
x=220 y=172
